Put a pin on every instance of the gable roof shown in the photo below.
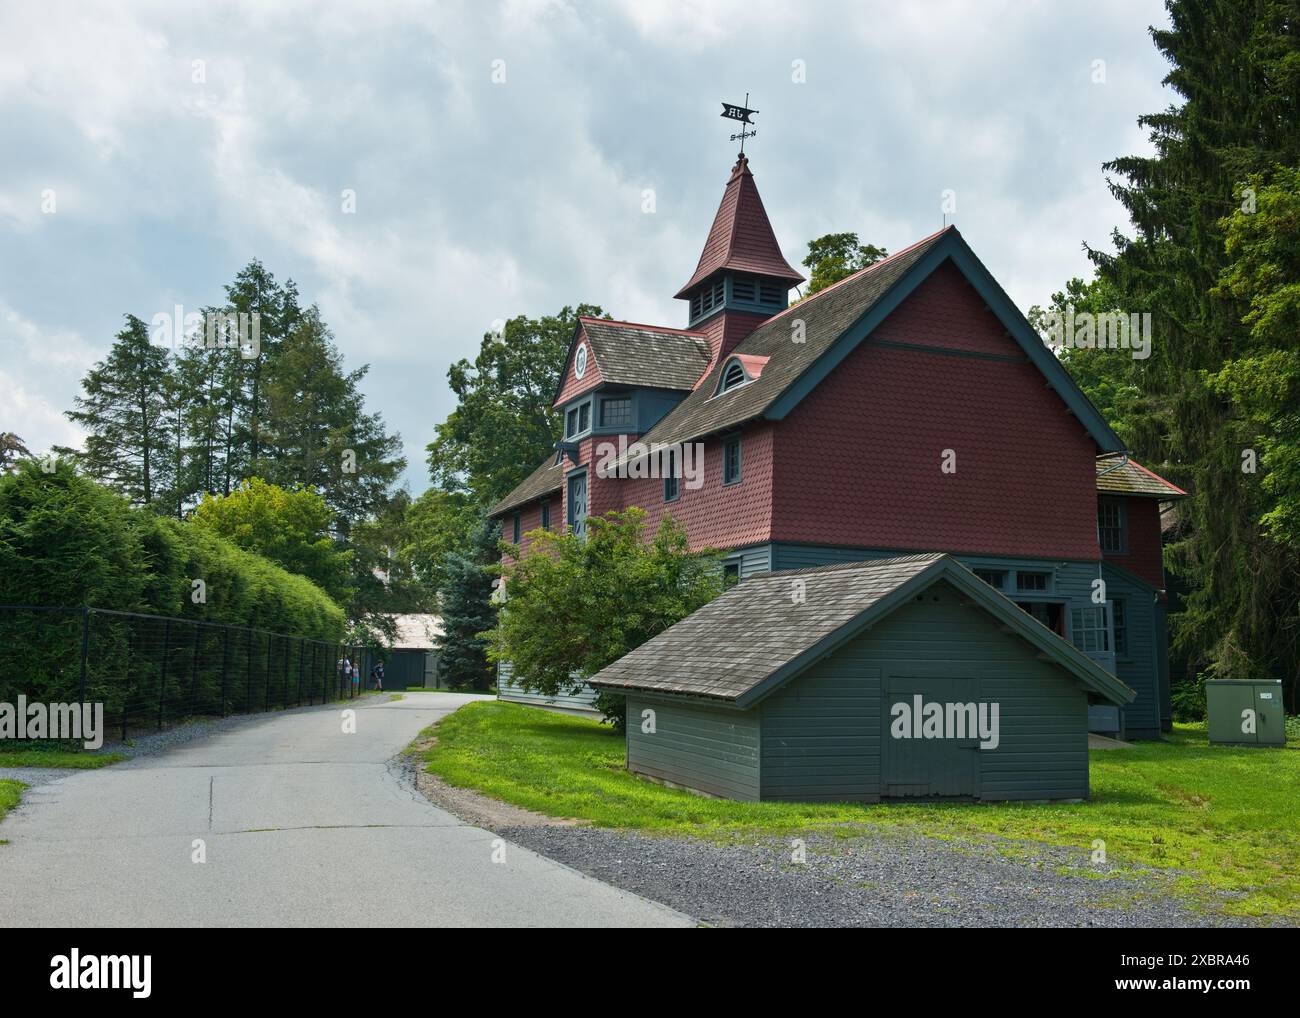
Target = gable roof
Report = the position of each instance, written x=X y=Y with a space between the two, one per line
x=837 y=319
x=629 y=353
x=545 y=479
x=754 y=637
x=741 y=237
x=1117 y=477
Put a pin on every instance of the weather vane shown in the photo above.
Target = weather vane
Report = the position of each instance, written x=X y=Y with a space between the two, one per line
x=741 y=113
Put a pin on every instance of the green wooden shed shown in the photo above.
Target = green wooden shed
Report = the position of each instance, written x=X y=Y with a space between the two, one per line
x=895 y=678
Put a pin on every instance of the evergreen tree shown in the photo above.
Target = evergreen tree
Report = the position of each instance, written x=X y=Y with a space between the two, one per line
x=468 y=612
x=315 y=429
x=12 y=450
x=1236 y=67
x=126 y=409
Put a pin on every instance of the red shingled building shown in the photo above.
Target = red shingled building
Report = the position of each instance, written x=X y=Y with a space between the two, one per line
x=909 y=407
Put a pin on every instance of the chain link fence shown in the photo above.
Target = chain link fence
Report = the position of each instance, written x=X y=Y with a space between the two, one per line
x=151 y=670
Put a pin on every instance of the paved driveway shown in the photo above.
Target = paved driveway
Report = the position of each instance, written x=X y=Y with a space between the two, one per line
x=302 y=824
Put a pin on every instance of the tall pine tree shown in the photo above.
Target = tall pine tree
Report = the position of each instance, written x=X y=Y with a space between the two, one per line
x=127 y=410
x=1236 y=68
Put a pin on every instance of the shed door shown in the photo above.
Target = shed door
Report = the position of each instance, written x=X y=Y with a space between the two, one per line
x=927 y=767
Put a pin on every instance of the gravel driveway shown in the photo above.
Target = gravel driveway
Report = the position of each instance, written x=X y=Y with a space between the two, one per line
x=880 y=877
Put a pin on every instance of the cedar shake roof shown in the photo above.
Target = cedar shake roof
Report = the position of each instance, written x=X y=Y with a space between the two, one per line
x=826 y=315
x=646 y=355
x=741 y=237
x=1133 y=479
x=757 y=635
x=545 y=479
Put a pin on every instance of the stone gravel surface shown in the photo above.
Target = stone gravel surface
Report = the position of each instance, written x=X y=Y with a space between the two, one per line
x=876 y=877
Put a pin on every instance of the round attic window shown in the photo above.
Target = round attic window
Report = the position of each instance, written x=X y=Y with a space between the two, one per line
x=580 y=361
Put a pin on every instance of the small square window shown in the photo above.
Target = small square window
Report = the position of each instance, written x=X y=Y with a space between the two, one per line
x=1089 y=625
x=616 y=413
x=731 y=461
x=730 y=574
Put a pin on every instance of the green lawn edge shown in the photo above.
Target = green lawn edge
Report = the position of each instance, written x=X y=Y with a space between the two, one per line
x=1221 y=823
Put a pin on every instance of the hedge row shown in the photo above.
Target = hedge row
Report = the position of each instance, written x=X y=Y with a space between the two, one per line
x=65 y=540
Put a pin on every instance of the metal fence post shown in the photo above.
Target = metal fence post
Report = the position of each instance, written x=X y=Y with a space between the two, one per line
x=194 y=665
x=302 y=648
x=270 y=643
x=225 y=670
x=162 y=672
x=85 y=648
x=248 y=677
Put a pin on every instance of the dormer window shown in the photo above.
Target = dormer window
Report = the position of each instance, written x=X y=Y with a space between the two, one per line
x=733 y=375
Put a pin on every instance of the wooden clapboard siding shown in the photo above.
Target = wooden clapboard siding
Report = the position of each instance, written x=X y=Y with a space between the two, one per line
x=708 y=749
x=822 y=734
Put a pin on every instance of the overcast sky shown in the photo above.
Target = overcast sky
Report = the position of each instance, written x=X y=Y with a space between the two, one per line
x=479 y=199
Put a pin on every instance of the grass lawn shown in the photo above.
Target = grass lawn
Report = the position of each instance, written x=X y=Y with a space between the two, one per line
x=10 y=793
x=1223 y=819
x=37 y=754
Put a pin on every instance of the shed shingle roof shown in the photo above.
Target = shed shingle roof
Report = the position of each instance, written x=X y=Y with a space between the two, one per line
x=758 y=632
x=741 y=237
x=646 y=355
x=1133 y=479
x=545 y=479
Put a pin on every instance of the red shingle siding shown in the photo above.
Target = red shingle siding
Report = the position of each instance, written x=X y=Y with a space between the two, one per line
x=858 y=461
x=714 y=514
x=590 y=377
x=530 y=518
x=1145 y=557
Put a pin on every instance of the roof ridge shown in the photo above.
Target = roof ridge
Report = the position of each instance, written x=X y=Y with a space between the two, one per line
x=642 y=325
x=854 y=275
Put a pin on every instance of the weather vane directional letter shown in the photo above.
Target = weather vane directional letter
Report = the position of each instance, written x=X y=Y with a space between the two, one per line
x=741 y=113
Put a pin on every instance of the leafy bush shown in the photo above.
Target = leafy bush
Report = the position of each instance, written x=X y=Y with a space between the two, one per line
x=575 y=605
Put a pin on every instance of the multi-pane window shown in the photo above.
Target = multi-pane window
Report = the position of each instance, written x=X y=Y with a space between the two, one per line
x=514 y=528
x=1110 y=525
x=577 y=420
x=1031 y=582
x=546 y=515
x=731 y=461
x=672 y=482
x=995 y=578
x=1119 y=620
x=1090 y=632
x=616 y=413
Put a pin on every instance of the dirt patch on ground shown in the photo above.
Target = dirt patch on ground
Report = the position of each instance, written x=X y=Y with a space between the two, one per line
x=472 y=807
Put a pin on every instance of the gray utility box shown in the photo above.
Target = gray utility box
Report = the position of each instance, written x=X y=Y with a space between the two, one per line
x=1245 y=713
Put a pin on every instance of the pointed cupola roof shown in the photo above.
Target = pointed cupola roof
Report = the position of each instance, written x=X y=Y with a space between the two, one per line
x=741 y=238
